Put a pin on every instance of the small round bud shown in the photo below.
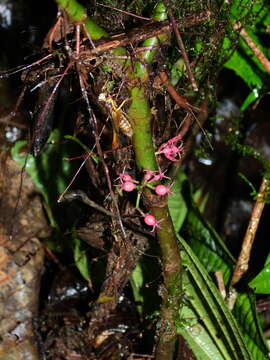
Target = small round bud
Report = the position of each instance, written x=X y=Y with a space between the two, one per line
x=149 y=175
x=125 y=178
x=162 y=190
x=150 y=220
x=128 y=186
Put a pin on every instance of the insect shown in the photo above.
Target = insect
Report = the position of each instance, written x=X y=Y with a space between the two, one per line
x=119 y=118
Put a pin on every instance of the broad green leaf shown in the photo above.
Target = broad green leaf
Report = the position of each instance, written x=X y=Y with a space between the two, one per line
x=49 y=162
x=242 y=67
x=80 y=257
x=214 y=255
x=176 y=203
x=261 y=283
x=204 y=240
x=51 y=175
x=205 y=320
x=243 y=61
x=200 y=199
x=85 y=148
x=177 y=71
x=245 y=312
x=136 y=282
x=253 y=95
x=196 y=335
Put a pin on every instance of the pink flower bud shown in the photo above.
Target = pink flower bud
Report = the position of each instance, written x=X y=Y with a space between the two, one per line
x=148 y=176
x=125 y=177
x=150 y=220
x=162 y=190
x=128 y=186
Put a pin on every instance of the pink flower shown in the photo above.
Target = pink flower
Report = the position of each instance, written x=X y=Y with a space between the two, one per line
x=151 y=221
x=149 y=175
x=128 y=186
x=125 y=177
x=162 y=190
x=152 y=175
x=170 y=150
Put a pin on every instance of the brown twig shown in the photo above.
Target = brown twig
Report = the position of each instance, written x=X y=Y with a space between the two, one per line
x=185 y=125
x=180 y=100
x=255 y=49
x=8 y=118
x=243 y=259
x=181 y=46
x=142 y=33
x=7 y=121
x=220 y=283
x=124 y=12
x=85 y=199
x=94 y=126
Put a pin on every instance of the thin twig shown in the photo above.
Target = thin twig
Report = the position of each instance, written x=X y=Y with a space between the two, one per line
x=78 y=194
x=88 y=36
x=144 y=32
x=181 y=46
x=255 y=49
x=125 y=12
x=185 y=125
x=94 y=127
x=182 y=102
x=6 y=74
x=63 y=194
x=220 y=283
x=7 y=119
x=243 y=259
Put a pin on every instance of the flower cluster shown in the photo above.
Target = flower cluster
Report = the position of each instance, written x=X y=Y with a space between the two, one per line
x=126 y=182
x=170 y=150
x=152 y=176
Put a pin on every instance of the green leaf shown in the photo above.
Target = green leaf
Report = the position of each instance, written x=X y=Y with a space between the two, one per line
x=242 y=67
x=40 y=169
x=204 y=240
x=177 y=71
x=245 y=312
x=261 y=283
x=214 y=255
x=136 y=282
x=51 y=174
x=205 y=320
x=85 y=148
x=253 y=95
x=200 y=199
x=176 y=203
x=80 y=257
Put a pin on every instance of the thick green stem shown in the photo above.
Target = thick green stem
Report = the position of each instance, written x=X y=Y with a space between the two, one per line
x=78 y=13
x=141 y=118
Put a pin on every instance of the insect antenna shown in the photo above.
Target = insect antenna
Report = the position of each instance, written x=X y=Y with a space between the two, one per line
x=6 y=74
x=43 y=123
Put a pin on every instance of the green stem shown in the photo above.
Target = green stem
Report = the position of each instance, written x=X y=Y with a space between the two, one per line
x=146 y=57
x=141 y=119
x=140 y=116
x=78 y=13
